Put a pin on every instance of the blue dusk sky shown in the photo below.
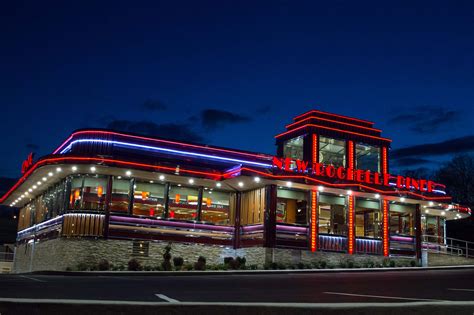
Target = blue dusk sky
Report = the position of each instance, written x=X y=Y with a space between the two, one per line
x=233 y=73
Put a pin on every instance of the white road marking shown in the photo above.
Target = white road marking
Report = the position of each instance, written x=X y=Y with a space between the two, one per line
x=454 y=289
x=384 y=297
x=167 y=299
x=30 y=278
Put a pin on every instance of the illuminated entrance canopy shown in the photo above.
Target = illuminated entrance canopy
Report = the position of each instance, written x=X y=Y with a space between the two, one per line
x=356 y=175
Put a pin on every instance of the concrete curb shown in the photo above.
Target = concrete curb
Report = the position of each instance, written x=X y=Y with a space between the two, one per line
x=237 y=272
x=72 y=307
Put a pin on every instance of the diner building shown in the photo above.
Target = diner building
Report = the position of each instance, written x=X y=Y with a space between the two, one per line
x=327 y=193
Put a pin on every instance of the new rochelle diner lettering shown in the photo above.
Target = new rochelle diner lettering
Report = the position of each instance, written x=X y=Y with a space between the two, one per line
x=361 y=176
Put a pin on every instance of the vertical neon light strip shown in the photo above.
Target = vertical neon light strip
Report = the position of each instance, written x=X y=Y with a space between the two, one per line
x=386 y=246
x=350 y=154
x=384 y=160
x=315 y=149
x=314 y=218
x=351 y=234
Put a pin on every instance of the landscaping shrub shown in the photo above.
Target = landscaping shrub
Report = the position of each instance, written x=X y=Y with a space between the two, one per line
x=392 y=263
x=227 y=260
x=241 y=262
x=82 y=266
x=178 y=262
x=200 y=264
x=134 y=265
x=412 y=263
x=323 y=264
x=103 y=265
x=166 y=264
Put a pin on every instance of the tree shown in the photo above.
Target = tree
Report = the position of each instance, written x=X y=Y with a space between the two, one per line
x=458 y=176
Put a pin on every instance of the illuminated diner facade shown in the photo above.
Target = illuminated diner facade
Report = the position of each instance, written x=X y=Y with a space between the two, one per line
x=327 y=189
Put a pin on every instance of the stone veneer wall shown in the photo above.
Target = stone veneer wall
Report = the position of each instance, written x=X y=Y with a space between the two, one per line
x=62 y=253
x=435 y=259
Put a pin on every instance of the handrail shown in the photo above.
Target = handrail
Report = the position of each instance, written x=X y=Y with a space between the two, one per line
x=450 y=245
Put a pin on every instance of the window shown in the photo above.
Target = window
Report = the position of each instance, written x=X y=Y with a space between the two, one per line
x=119 y=198
x=183 y=202
x=149 y=199
x=293 y=148
x=140 y=249
x=292 y=206
x=332 y=214
x=434 y=227
x=216 y=207
x=332 y=151
x=88 y=193
x=368 y=222
x=367 y=157
x=402 y=219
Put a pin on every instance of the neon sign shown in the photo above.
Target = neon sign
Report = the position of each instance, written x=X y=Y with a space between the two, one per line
x=350 y=174
x=27 y=163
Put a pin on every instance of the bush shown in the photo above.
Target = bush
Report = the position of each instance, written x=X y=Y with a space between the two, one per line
x=227 y=260
x=392 y=263
x=178 y=262
x=166 y=264
x=200 y=264
x=241 y=262
x=103 y=265
x=323 y=264
x=134 y=265
x=412 y=263
x=350 y=264
x=82 y=266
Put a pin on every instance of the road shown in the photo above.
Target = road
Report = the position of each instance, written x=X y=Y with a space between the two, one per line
x=388 y=286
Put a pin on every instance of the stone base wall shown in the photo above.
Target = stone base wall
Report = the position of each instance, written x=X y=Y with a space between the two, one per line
x=435 y=259
x=63 y=253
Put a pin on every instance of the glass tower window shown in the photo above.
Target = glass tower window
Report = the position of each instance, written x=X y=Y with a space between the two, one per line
x=368 y=221
x=332 y=215
x=367 y=157
x=332 y=151
x=293 y=148
x=292 y=206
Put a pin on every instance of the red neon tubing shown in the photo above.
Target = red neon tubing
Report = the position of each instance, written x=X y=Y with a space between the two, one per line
x=333 y=121
x=333 y=129
x=334 y=115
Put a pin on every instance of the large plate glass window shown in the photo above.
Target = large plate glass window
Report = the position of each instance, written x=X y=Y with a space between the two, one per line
x=216 y=207
x=88 y=193
x=149 y=199
x=119 y=198
x=368 y=221
x=183 y=202
x=402 y=219
x=292 y=206
x=332 y=214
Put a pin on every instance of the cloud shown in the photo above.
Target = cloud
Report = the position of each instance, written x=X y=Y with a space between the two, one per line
x=451 y=146
x=426 y=119
x=214 y=118
x=410 y=161
x=174 y=131
x=153 y=105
